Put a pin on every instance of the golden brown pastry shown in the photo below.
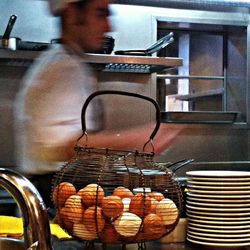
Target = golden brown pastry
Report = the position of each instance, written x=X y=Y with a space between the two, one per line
x=74 y=209
x=91 y=195
x=153 y=223
x=112 y=206
x=140 y=204
x=62 y=192
x=157 y=196
x=153 y=205
x=168 y=211
x=80 y=231
x=93 y=219
x=122 y=192
x=127 y=224
x=63 y=220
x=109 y=234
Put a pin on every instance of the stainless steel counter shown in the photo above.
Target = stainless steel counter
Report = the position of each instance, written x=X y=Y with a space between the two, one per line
x=66 y=245
x=79 y=245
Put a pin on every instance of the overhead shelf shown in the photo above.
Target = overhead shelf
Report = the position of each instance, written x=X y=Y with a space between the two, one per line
x=190 y=97
x=199 y=117
x=134 y=64
x=107 y=63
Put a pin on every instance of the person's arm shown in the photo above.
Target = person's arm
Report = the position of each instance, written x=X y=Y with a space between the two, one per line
x=133 y=138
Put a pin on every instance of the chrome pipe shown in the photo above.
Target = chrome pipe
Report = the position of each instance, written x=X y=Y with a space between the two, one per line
x=35 y=218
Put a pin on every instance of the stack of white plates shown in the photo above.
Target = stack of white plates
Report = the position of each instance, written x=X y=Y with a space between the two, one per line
x=218 y=208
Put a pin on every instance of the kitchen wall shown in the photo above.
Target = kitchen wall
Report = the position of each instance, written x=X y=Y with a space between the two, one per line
x=134 y=27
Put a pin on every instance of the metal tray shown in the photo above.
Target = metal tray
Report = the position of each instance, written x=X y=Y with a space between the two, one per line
x=215 y=117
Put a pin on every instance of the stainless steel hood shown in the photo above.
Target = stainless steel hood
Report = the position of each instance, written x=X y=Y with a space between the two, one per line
x=226 y=5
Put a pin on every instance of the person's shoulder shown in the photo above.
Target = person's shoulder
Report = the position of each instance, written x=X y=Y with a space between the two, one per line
x=56 y=58
x=56 y=54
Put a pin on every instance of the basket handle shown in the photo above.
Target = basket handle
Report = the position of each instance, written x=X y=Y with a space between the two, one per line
x=124 y=93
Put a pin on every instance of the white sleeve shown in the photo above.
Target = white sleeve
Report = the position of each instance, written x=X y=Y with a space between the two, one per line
x=53 y=104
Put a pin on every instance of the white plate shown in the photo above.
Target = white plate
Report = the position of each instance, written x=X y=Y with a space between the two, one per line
x=222 y=179
x=219 y=201
x=219 y=173
x=218 y=205
x=223 y=240
x=219 y=192
x=218 y=223
x=218 y=183
x=216 y=244
x=218 y=196
x=217 y=209
x=216 y=214
x=219 y=227
x=226 y=237
x=219 y=231
x=219 y=188
x=195 y=216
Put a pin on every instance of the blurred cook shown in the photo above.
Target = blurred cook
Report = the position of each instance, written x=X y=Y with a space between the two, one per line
x=48 y=105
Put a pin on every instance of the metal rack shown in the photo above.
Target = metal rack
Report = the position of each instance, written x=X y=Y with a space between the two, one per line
x=108 y=63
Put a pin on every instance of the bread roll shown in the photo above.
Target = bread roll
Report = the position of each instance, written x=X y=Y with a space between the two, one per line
x=168 y=211
x=112 y=206
x=153 y=205
x=63 y=220
x=122 y=192
x=140 y=204
x=91 y=195
x=157 y=196
x=127 y=224
x=73 y=209
x=153 y=223
x=62 y=192
x=93 y=219
x=80 y=231
x=109 y=234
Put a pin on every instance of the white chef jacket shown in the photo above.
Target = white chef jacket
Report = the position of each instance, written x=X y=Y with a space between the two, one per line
x=48 y=107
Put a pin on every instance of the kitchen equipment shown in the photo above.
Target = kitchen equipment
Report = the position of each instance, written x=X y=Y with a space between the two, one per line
x=160 y=44
x=108 y=45
x=218 y=208
x=147 y=203
x=206 y=117
x=8 y=42
x=15 y=43
x=35 y=219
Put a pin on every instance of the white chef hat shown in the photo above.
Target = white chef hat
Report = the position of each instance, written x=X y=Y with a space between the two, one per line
x=56 y=6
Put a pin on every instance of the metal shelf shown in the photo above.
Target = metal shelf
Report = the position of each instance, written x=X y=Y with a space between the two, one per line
x=190 y=97
x=134 y=64
x=107 y=63
x=199 y=117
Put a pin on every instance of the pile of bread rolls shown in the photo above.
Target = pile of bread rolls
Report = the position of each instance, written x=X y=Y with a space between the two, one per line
x=118 y=217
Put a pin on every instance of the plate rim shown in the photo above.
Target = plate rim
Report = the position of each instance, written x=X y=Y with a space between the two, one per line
x=241 y=215
x=218 y=244
x=220 y=201
x=221 y=226
x=233 y=188
x=219 y=205
x=220 y=173
x=218 y=231
x=218 y=209
x=229 y=218
x=220 y=240
x=218 y=195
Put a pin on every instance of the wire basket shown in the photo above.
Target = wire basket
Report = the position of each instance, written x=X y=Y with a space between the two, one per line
x=116 y=196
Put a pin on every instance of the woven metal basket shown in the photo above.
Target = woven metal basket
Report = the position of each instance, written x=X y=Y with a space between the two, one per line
x=116 y=196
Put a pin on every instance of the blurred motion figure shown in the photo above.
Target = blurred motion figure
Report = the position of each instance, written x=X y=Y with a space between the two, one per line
x=48 y=105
